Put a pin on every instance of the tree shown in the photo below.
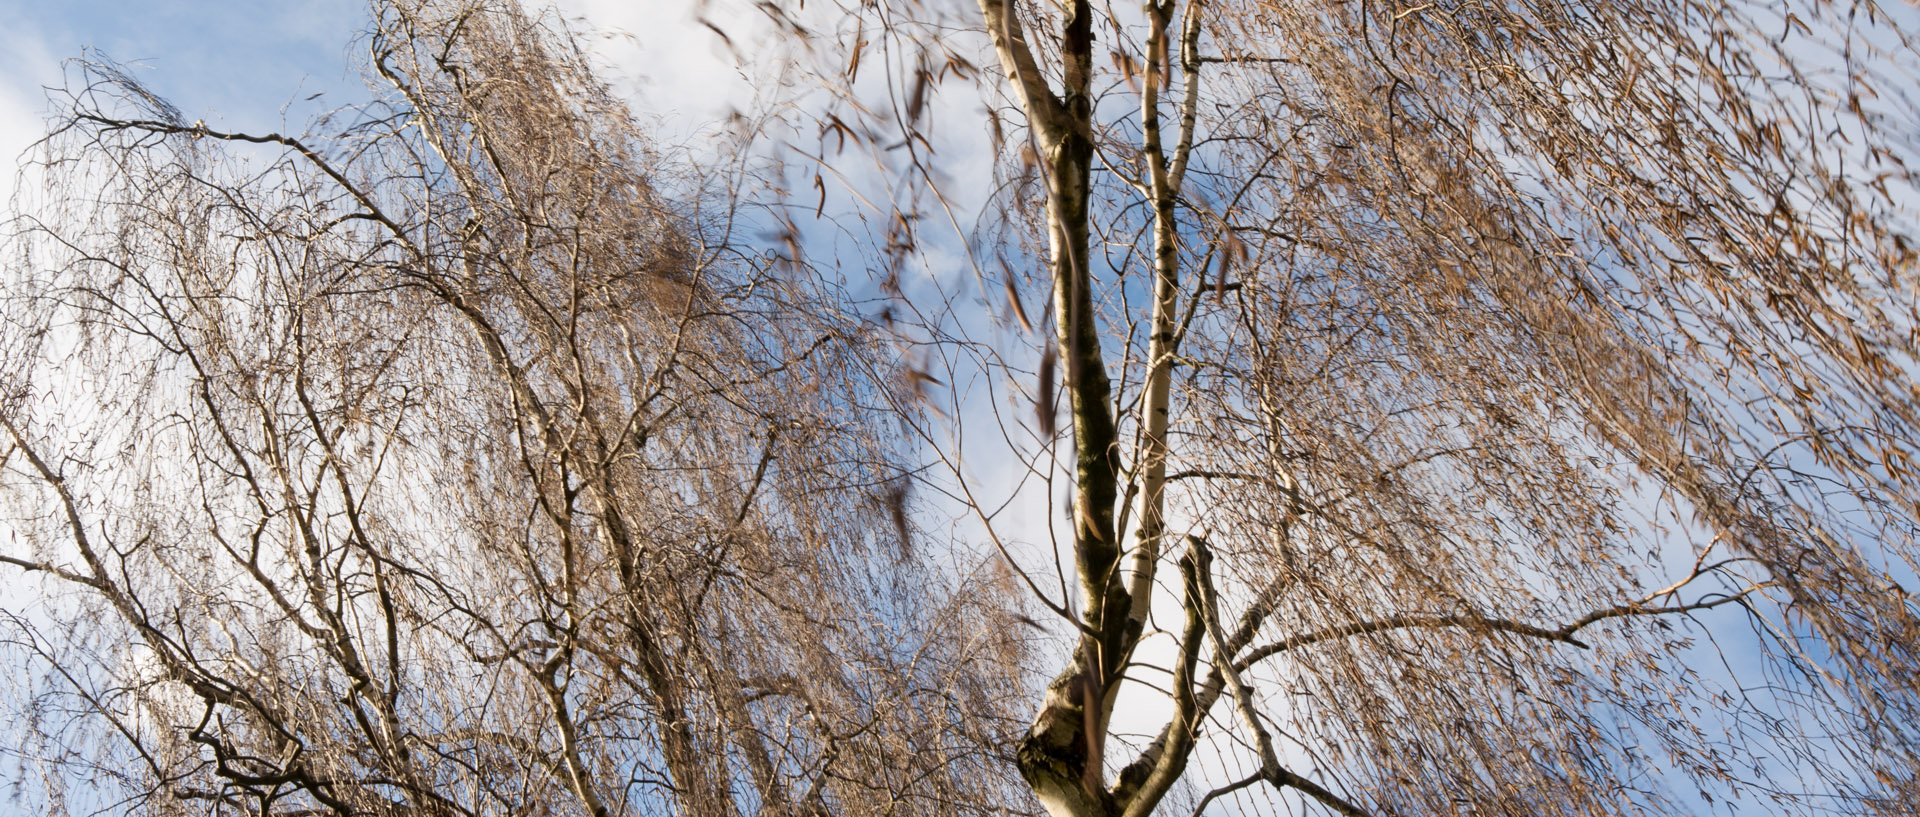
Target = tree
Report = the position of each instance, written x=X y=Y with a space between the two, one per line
x=444 y=463
x=1429 y=370
x=1381 y=328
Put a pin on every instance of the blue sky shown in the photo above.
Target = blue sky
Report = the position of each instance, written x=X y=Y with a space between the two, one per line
x=254 y=67
x=215 y=62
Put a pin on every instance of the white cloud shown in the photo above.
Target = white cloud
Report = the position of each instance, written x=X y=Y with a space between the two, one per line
x=27 y=65
x=670 y=62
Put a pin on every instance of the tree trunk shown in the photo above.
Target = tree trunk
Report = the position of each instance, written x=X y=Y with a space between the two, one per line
x=1062 y=755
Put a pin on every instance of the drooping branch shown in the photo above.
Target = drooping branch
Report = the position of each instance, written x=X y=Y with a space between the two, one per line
x=1563 y=634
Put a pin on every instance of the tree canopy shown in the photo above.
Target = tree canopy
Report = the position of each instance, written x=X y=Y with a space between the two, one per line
x=1408 y=401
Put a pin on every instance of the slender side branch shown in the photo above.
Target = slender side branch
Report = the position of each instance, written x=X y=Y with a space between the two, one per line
x=1270 y=768
x=1563 y=634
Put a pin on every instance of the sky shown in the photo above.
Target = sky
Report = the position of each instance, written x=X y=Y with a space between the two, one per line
x=214 y=63
x=256 y=66
x=272 y=67
x=259 y=68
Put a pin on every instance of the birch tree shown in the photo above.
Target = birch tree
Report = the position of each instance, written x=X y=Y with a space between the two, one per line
x=458 y=458
x=1388 y=333
x=1441 y=384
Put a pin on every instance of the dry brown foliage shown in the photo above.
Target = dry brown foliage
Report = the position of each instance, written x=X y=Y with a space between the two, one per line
x=1444 y=382
x=440 y=462
x=1391 y=332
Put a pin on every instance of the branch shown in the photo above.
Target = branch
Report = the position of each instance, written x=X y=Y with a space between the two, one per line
x=1563 y=634
x=1225 y=790
x=1285 y=779
x=53 y=570
x=1405 y=622
x=1190 y=98
x=1209 y=473
x=1203 y=699
x=1238 y=59
x=1640 y=608
x=1016 y=59
x=196 y=130
x=1222 y=661
x=1145 y=781
x=1270 y=768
